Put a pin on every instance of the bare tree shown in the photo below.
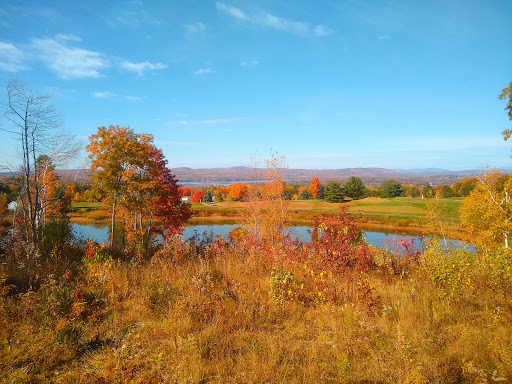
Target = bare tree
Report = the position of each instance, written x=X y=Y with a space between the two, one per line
x=34 y=122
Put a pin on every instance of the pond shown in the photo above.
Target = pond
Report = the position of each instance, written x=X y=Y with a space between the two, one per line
x=100 y=234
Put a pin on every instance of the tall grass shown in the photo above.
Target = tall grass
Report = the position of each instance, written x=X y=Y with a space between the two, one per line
x=230 y=312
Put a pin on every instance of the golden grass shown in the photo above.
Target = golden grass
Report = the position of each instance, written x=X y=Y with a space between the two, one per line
x=193 y=315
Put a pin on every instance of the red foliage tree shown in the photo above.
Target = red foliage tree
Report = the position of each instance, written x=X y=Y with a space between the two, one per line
x=167 y=202
x=198 y=196
x=185 y=191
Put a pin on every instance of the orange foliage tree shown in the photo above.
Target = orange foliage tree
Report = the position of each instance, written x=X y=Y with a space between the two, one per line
x=237 y=191
x=315 y=184
x=129 y=172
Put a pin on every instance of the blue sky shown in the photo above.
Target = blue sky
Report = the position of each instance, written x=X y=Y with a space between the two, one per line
x=327 y=84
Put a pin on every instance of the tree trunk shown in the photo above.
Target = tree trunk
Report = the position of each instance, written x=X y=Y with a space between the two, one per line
x=113 y=225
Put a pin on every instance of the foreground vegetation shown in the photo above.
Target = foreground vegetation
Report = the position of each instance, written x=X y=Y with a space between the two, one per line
x=240 y=311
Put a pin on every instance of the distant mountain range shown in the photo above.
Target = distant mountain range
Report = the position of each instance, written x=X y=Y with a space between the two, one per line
x=371 y=176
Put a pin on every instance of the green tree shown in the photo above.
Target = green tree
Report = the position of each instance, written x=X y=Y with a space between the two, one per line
x=427 y=191
x=333 y=192
x=354 y=188
x=412 y=191
x=391 y=188
x=445 y=191
x=506 y=93
x=321 y=192
x=304 y=195
x=207 y=197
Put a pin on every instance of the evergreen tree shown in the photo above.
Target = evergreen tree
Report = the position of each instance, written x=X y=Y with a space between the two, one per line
x=391 y=188
x=333 y=192
x=207 y=197
x=354 y=188
x=304 y=195
x=321 y=192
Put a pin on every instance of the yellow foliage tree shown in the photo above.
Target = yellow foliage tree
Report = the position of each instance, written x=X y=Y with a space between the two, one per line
x=266 y=204
x=487 y=211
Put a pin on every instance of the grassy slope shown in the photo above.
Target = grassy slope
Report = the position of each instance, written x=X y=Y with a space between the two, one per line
x=214 y=319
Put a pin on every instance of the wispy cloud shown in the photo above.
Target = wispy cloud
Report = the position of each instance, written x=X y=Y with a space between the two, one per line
x=268 y=20
x=70 y=37
x=195 y=27
x=132 y=19
x=249 y=63
x=203 y=71
x=103 y=95
x=68 y=62
x=109 y=95
x=322 y=30
x=134 y=98
x=141 y=67
x=11 y=58
x=181 y=122
x=232 y=11
x=222 y=120
x=384 y=37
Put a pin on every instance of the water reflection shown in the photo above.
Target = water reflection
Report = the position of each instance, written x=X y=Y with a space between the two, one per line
x=100 y=234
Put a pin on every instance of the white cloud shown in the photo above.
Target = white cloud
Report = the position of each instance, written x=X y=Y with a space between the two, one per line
x=196 y=27
x=233 y=11
x=62 y=37
x=275 y=22
x=203 y=71
x=384 y=37
x=141 y=66
x=322 y=30
x=103 y=95
x=11 y=58
x=134 y=98
x=68 y=62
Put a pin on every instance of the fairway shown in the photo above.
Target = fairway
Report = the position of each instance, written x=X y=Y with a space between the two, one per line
x=405 y=207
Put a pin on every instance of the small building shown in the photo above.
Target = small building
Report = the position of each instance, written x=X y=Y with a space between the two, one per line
x=12 y=206
x=185 y=198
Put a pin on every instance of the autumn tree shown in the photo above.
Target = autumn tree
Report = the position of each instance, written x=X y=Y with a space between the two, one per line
x=266 y=205
x=34 y=122
x=167 y=202
x=354 y=188
x=129 y=173
x=463 y=188
x=315 y=183
x=487 y=211
x=237 y=191
x=197 y=197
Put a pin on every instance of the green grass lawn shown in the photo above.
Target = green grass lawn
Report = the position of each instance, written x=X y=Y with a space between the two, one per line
x=399 y=207
x=86 y=204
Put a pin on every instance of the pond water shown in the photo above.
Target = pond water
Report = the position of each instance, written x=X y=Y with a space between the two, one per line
x=100 y=234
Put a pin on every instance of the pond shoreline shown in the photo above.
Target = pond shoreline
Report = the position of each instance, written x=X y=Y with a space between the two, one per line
x=367 y=225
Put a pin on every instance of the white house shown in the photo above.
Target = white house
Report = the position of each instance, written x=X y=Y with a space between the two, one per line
x=12 y=206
